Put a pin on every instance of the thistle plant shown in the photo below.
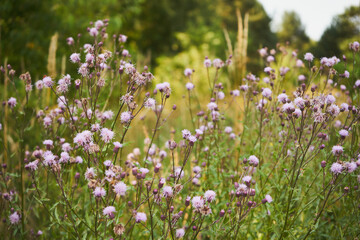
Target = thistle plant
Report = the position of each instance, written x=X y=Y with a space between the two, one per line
x=276 y=157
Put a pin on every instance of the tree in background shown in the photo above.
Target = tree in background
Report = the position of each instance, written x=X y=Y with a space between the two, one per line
x=26 y=27
x=293 y=31
x=343 y=26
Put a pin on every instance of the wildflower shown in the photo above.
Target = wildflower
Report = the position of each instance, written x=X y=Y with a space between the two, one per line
x=299 y=63
x=99 y=192
x=242 y=188
x=188 y=72
x=333 y=109
x=48 y=143
x=47 y=82
x=235 y=93
x=14 y=218
x=345 y=107
x=83 y=138
x=336 y=168
x=125 y=117
x=299 y=102
x=337 y=124
x=343 y=133
x=167 y=191
x=197 y=202
x=195 y=181
x=70 y=41
x=218 y=63
x=164 y=87
x=107 y=115
x=125 y=53
x=351 y=166
x=308 y=57
x=253 y=160
x=212 y=106
x=32 y=165
x=108 y=163
x=284 y=70
x=319 y=117
x=297 y=113
x=267 y=199
x=39 y=85
x=263 y=52
x=122 y=38
x=228 y=130
x=117 y=145
x=220 y=95
x=282 y=97
x=186 y=133
x=162 y=154
x=12 y=102
x=75 y=57
x=144 y=170
x=49 y=158
x=89 y=58
x=120 y=188
x=140 y=217
x=288 y=107
x=78 y=159
x=180 y=233
x=64 y=157
x=119 y=229
x=210 y=195
x=83 y=70
x=268 y=70
x=90 y=173
x=99 y=24
x=270 y=59
x=301 y=78
x=266 y=80
x=266 y=92
x=207 y=63
x=244 y=88
x=109 y=211
x=197 y=169
x=246 y=179
x=106 y=135
x=192 y=139
x=346 y=74
x=337 y=150
x=330 y=99
x=179 y=173
x=93 y=32
x=357 y=83
x=150 y=103
x=189 y=86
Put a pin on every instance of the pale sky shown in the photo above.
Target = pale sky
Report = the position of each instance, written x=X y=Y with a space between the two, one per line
x=316 y=15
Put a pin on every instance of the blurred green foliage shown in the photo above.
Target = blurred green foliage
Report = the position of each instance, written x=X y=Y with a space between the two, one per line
x=293 y=31
x=152 y=26
x=343 y=27
x=156 y=28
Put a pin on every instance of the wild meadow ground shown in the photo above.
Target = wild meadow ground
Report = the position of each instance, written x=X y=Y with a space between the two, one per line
x=114 y=153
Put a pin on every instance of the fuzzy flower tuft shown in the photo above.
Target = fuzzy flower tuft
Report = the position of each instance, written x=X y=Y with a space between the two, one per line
x=120 y=188
x=14 y=218
x=337 y=150
x=108 y=211
x=210 y=195
x=197 y=202
x=336 y=168
x=106 y=135
x=140 y=217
